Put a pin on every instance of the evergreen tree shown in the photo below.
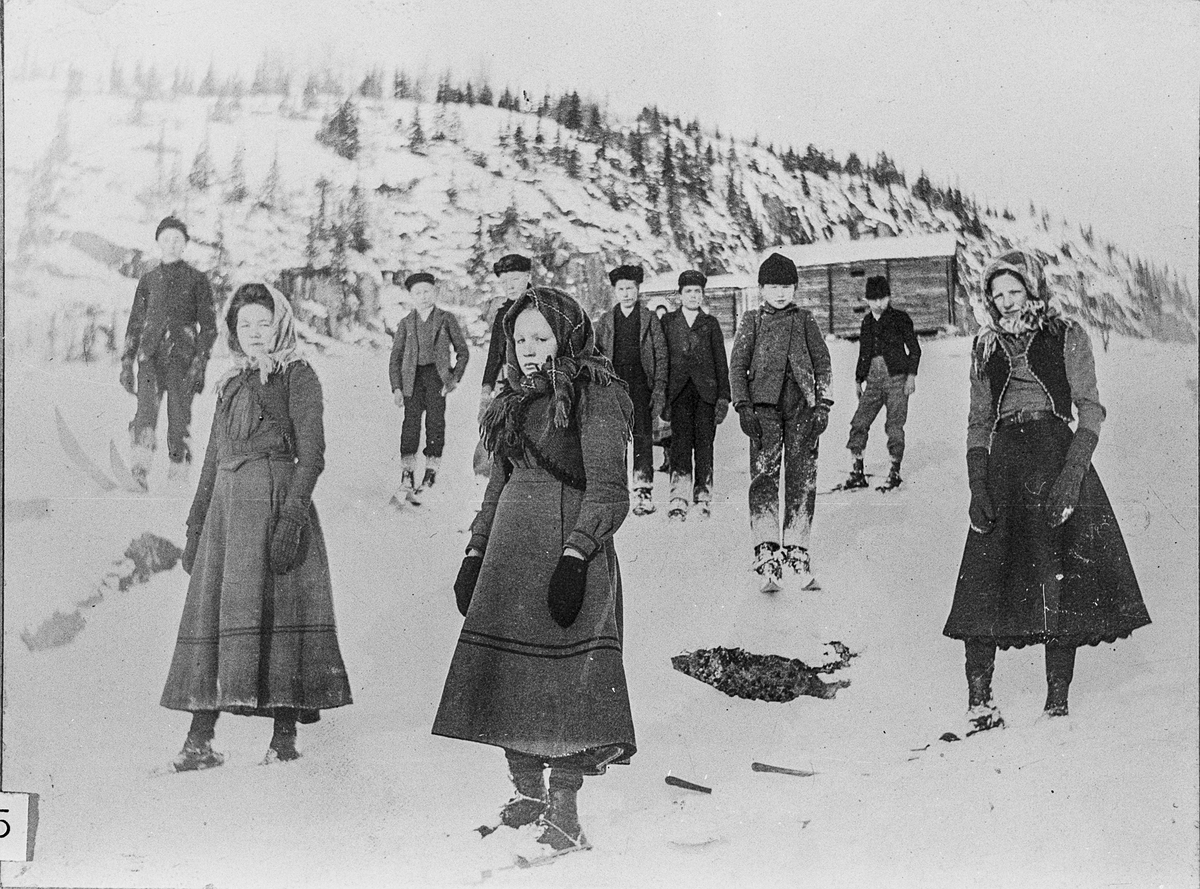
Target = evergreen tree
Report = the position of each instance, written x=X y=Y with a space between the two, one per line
x=268 y=195
x=520 y=148
x=637 y=154
x=372 y=85
x=485 y=94
x=477 y=266
x=573 y=162
x=400 y=86
x=322 y=185
x=311 y=96
x=853 y=165
x=357 y=220
x=340 y=132
x=416 y=135
x=469 y=95
x=670 y=185
x=237 y=191
x=804 y=184
x=208 y=86
x=574 y=115
x=203 y=172
x=116 y=78
x=506 y=100
x=922 y=189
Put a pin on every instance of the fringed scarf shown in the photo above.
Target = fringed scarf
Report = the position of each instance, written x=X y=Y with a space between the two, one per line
x=285 y=348
x=1037 y=314
x=576 y=360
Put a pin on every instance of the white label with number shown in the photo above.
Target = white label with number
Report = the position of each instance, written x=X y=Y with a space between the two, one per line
x=14 y=827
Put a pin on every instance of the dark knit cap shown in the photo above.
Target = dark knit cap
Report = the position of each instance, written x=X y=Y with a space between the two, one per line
x=419 y=278
x=632 y=273
x=878 y=287
x=513 y=262
x=171 y=222
x=692 y=278
x=777 y=269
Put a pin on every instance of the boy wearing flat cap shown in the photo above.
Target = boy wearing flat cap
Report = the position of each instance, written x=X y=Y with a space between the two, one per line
x=516 y=274
x=888 y=355
x=779 y=377
x=422 y=376
x=697 y=395
x=171 y=330
x=631 y=337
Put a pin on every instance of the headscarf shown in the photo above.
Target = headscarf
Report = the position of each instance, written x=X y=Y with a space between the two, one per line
x=575 y=360
x=1037 y=313
x=284 y=346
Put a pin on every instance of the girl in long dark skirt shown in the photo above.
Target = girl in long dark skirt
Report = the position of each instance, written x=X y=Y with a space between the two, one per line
x=538 y=669
x=1045 y=562
x=257 y=635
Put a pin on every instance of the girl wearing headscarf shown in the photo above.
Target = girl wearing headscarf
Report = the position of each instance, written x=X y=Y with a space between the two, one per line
x=257 y=635
x=1045 y=562
x=538 y=668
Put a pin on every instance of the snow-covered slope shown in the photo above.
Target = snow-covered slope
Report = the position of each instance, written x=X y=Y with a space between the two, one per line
x=485 y=181
x=1106 y=796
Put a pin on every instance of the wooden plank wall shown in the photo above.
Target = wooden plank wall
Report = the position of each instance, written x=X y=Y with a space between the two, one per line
x=849 y=286
x=919 y=288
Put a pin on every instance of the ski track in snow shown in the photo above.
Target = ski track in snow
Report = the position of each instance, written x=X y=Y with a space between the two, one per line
x=1104 y=798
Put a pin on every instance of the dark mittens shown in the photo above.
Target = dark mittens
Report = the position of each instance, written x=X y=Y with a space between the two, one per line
x=464 y=584
x=748 y=420
x=567 y=585
x=982 y=512
x=721 y=411
x=288 y=541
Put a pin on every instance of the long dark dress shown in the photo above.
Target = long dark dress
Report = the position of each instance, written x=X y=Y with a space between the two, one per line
x=517 y=679
x=251 y=641
x=1027 y=583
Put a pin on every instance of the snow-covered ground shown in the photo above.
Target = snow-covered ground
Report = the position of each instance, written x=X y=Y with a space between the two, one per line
x=1105 y=797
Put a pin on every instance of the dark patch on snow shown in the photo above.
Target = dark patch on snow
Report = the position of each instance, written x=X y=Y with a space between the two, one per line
x=763 y=677
x=144 y=557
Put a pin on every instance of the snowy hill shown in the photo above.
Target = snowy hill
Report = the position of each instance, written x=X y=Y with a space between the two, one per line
x=400 y=184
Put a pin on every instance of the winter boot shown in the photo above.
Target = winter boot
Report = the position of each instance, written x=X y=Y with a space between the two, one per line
x=432 y=465
x=983 y=714
x=141 y=453
x=643 y=505
x=768 y=564
x=560 y=823
x=893 y=479
x=197 y=752
x=678 y=511
x=702 y=508
x=179 y=470
x=796 y=562
x=283 y=741
x=528 y=803
x=858 y=476
x=1060 y=669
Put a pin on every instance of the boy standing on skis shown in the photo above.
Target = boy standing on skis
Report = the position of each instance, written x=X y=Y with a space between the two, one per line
x=171 y=329
x=631 y=337
x=888 y=355
x=697 y=395
x=779 y=377
x=422 y=376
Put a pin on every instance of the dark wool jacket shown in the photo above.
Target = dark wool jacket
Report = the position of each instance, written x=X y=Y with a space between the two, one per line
x=696 y=353
x=496 y=346
x=765 y=341
x=588 y=455
x=172 y=315
x=402 y=368
x=293 y=427
x=1061 y=361
x=654 y=346
x=894 y=331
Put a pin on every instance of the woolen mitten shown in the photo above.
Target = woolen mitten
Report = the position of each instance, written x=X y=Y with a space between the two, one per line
x=289 y=538
x=820 y=417
x=127 y=379
x=464 y=584
x=721 y=411
x=1064 y=495
x=982 y=512
x=748 y=420
x=567 y=585
x=189 y=550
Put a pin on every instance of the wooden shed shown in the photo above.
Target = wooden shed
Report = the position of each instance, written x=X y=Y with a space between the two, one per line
x=725 y=296
x=922 y=271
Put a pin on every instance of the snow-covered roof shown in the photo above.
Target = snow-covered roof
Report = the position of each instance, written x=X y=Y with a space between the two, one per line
x=867 y=249
x=669 y=282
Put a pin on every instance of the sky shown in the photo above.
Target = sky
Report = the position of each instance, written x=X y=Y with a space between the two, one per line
x=1089 y=108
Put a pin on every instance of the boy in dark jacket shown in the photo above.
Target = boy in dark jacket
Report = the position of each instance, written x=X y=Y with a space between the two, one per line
x=697 y=395
x=170 y=333
x=631 y=337
x=422 y=376
x=516 y=274
x=779 y=374
x=888 y=355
